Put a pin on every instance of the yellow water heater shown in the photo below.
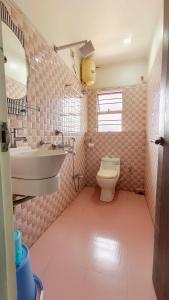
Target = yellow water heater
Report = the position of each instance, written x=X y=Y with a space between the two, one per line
x=88 y=71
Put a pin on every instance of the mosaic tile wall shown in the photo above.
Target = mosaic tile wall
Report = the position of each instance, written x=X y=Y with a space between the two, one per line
x=129 y=145
x=60 y=108
x=153 y=132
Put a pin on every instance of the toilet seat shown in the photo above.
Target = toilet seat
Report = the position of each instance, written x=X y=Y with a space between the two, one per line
x=107 y=173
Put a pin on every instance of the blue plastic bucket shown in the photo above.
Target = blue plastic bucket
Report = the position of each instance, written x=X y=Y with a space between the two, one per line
x=39 y=286
x=26 y=286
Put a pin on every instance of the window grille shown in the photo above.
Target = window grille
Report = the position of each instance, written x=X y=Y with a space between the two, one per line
x=109 y=111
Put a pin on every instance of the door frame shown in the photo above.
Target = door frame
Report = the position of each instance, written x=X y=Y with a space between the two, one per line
x=7 y=261
x=162 y=203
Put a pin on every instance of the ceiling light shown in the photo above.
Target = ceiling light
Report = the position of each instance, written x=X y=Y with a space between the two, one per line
x=127 y=40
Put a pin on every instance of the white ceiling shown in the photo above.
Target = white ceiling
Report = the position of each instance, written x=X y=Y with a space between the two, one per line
x=105 y=22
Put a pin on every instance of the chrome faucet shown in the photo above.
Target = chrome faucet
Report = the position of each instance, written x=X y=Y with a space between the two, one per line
x=63 y=145
x=15 y=138
x=57 y=132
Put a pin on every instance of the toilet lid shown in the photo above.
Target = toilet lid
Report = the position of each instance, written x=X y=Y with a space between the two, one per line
x=107 y=173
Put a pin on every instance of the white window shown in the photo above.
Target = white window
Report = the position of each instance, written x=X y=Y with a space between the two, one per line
x=109 y=111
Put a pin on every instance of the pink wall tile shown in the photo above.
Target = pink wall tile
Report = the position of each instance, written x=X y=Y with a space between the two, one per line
x=59 y=108
x=15 y=89
x=129 y=145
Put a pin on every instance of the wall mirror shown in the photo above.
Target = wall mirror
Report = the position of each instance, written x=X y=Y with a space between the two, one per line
x=16 y=71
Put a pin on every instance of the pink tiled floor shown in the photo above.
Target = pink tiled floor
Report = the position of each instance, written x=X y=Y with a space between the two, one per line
x=98 y=251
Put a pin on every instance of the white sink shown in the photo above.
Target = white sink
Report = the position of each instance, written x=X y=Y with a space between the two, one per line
x=35 y=172
x=36 y=164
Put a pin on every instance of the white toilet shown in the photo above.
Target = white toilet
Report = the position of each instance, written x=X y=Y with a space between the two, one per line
x=107 y=177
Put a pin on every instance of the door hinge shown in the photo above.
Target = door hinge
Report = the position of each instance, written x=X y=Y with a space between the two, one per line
x=4 y=137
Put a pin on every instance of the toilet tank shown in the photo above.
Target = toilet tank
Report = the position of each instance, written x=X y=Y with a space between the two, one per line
x=110 y=163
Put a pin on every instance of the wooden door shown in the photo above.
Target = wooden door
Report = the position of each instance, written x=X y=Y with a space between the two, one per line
x=161 y=243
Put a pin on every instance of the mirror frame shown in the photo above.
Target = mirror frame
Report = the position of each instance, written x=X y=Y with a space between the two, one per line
x=15 y=106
